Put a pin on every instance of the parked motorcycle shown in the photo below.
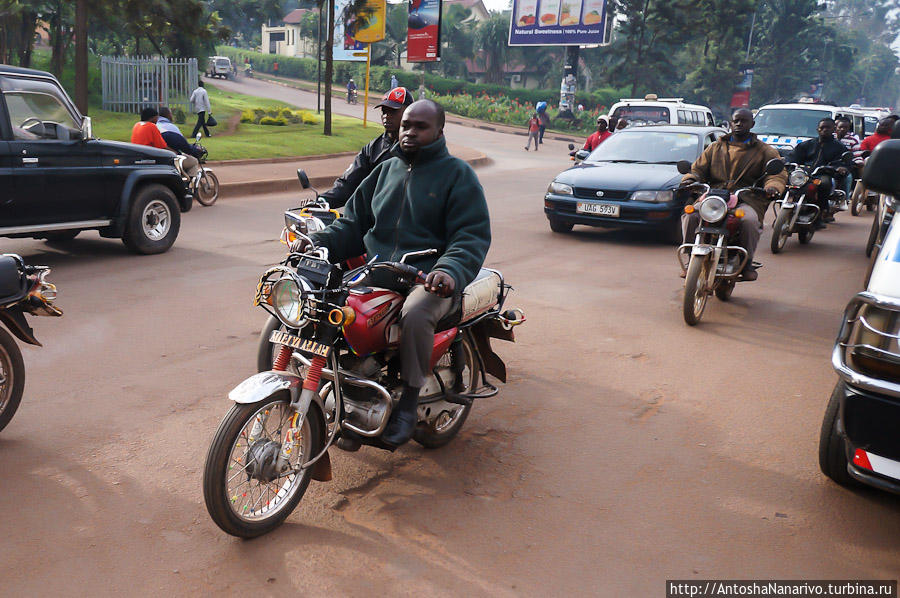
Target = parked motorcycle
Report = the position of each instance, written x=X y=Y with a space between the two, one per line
x=712 y=264
x=23 y=289
x=204 y=184
x=336 y=376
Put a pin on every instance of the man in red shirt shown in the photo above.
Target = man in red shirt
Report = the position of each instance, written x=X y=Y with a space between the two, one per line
x=600 y=135
x=145 y=131
x=882 y=132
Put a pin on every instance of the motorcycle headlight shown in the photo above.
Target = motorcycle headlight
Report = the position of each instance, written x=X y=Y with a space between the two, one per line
x=798 y=178
x=560 y=188
x=713 y=209
x=654 y=196
x=287 y=299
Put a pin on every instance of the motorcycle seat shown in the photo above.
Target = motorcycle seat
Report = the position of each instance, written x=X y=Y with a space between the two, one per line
x=12 y=283
x=479 y=296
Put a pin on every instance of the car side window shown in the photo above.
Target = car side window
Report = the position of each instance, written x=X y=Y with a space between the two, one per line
x=682 y=117
x=36 y=111
x=708 y=140
x=709 y=119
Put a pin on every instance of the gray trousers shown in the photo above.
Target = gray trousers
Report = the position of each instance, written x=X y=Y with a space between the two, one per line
x=749 y=230
x=420 y=314
x=532 y=136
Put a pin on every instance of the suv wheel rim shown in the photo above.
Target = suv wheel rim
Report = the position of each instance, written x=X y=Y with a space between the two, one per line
x=156 y=220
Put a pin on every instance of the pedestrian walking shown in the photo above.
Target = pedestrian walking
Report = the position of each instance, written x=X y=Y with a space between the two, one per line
x=534 y=128
x=200 y=106
x=544 y=119
x=394 y=82
x=421 y=91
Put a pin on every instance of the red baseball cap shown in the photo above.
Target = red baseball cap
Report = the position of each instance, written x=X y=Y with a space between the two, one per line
x=399 y=97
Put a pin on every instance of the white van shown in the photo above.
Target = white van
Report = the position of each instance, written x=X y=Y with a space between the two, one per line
x=784 y=126
x=653 y=110
x=219 y=66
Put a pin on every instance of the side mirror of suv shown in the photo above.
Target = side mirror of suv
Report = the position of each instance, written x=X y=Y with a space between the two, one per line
x=87 y=128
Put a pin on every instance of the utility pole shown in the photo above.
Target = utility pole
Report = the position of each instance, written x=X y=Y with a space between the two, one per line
x=81 y=58
x=319 y=62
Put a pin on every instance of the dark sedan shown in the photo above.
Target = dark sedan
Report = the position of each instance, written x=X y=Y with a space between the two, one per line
x=628 y=181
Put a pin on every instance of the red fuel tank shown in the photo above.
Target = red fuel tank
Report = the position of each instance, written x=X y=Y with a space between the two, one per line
x=375 y=312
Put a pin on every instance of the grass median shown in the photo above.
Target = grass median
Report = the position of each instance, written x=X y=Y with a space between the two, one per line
x=233 y=141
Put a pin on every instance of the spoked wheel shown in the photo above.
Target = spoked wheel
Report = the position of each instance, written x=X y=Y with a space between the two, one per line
x=695 y=294
x=724 y=290
x=12 y=378
x=207 y=188
x=806 y=235
x=245 y=494
x=780 y=232
x=857 y=199
x=441 y=429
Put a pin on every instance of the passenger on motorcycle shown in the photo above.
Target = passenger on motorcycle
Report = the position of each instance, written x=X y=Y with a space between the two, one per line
x=421 y=198
x=843 y=131
x=377 y=151
x=177 y=142
x=822 y=151
x=882 y=133
x=733 y=162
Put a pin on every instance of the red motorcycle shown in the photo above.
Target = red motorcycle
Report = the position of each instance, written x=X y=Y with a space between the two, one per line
x=335 y=375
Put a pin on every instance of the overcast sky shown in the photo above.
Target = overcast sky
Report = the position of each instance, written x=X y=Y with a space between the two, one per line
x=497 y=5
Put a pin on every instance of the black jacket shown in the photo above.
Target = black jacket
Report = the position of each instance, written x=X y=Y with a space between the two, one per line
x=814 y=153
x=377 y=151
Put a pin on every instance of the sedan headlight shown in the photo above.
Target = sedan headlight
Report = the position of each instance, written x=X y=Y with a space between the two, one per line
x=560 y=188
x=798 y=178
x=713 y=209
x=287 y=299
x=652 y=196
x=875 y=343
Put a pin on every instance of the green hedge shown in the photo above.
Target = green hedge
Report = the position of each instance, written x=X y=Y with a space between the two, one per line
x=380 y=78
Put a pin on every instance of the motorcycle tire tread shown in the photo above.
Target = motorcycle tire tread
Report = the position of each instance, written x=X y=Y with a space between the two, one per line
x=8 y=346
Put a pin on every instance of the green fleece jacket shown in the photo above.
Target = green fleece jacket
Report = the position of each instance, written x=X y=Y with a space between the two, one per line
x=432 y=200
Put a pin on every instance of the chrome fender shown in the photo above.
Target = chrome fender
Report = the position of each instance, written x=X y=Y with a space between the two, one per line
x=263 y=385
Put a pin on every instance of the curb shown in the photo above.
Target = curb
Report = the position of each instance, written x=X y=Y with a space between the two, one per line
x=248 y=161
x=261 y=187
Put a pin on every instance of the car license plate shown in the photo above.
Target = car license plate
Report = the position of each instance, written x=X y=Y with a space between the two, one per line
x=301 y=344
x=600 y=209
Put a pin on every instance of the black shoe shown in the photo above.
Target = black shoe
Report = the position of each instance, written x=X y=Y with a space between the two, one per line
x=346 y=443
x=749 y=274
x=400 y=428
x=829 y=218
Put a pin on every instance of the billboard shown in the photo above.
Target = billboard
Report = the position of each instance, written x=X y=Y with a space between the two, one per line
x=369 y=26
x=558 y=23
x=423 y=38
x=345 y=47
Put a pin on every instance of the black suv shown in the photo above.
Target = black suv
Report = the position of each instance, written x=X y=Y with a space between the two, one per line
x=56 y=180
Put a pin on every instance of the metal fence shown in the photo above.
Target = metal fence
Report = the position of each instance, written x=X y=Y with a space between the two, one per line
x=133 y=83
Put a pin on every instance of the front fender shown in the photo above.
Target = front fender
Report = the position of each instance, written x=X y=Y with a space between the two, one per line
x=263 y=385
x=702 y=250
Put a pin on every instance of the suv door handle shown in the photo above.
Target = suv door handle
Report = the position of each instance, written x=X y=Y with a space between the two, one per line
x=29 y=160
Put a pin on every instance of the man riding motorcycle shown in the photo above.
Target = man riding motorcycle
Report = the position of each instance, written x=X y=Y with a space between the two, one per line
x=377 y=151
x=822 y=151
x=733 y=162
x=423 y=198
x=177 y=142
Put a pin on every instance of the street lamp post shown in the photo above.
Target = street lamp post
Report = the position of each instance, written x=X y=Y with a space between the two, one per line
x=319 y=64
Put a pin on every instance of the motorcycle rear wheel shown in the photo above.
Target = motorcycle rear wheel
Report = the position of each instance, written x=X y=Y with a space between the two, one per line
x=207 y=188
x=447 y=425
x=724 y=290
x=780 y=234
x=12 y=378
x=695 y=295
x=233 y=498
x=806 y=235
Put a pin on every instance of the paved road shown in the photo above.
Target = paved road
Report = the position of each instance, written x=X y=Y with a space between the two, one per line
x=626 y=448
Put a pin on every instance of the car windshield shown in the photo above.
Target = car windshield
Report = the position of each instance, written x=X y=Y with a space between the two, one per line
x=789 y=122
x=643 y=115
x=648 y=147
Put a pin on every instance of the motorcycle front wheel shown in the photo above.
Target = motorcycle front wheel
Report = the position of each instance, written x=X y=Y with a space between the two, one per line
x=780 y=232
x=857 y=199
x=12 y=378
x=242 y=496
x=207 y=188
x=695 y=294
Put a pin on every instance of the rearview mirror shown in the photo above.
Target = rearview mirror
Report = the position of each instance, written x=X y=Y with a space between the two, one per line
x=881 y=174
x=199 y=136
x=847 y=157
x=571 y=146
x=774 y=166
x=87 y=129
x=683 y=166
x=304 y=180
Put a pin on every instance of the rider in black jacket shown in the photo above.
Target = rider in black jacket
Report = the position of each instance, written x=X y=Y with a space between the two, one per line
x=377 y=151
x=821 y=151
